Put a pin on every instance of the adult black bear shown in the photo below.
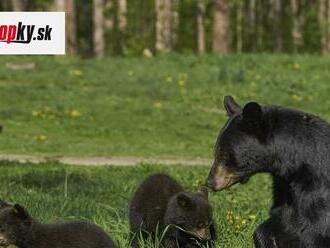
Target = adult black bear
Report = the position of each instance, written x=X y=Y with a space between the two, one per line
x=295 y=148
x=18 y=228
x=161 y=203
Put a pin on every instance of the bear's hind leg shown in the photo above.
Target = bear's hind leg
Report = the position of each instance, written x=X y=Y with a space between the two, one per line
x=272 y=234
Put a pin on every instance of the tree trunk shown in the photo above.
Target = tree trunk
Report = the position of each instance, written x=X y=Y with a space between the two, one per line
x=252 y=24
x=260 y=27
x=122 y=12
x=87 y=22
x=60 y=5
x=298 y=20
x=68 y=7
x=239 y=27
x=328 y=28
x=175 y=23
x=71 y=28
x=221 y=27
x=275 y=13
x=322 y=13
x=200 y=26
x=18 y=5
x=98 y=24
x=164 y=25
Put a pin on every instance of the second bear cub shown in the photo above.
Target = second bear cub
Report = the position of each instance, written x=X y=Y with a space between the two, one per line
x=160 y=205
x=18 y=228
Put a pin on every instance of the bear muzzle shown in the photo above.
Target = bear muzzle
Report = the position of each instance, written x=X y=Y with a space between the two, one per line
x=202 y=233
x=4 y=242
x=221 y=177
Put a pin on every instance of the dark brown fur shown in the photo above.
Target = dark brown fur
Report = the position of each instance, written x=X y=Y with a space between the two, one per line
x=160 y=202
x=18 y=228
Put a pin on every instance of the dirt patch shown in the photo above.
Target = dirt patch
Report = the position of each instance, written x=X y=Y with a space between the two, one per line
x=102 y=161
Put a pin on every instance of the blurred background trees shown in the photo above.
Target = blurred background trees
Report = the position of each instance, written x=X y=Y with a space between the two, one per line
x=136 y=27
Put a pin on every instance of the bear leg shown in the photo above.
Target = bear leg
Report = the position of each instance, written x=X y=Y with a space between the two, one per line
x=264 y=236
x=281 y=192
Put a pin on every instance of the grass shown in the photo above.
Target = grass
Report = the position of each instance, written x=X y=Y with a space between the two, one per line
x=167 y=106
x=54 y=192
x=161 y=107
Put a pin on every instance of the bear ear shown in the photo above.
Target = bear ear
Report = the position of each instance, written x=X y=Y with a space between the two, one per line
x=21 y=212
x=252 y=114
x=204 y=192
x=231 y=106
x=185 y=202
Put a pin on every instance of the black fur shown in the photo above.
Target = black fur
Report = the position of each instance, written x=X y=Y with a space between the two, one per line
x=160 y=203
x=295 y=148
x=18 y=228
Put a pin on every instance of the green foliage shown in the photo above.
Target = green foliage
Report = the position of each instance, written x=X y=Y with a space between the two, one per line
x=141 y=21
x=53 y=192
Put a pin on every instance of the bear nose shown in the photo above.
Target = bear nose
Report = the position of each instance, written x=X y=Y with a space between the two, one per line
x=209 y=182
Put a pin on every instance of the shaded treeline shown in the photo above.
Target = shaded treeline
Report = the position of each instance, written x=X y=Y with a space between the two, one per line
x=133 y=27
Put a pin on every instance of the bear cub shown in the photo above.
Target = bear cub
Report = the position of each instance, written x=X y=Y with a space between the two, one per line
x=18 y=228
x=160 y=205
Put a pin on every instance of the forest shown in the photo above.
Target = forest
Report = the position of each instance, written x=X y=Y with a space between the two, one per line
x=149 y=27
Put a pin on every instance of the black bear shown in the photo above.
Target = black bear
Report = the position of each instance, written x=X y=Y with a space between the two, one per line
x=294 y=147
x=160 y=205
x=18 y=228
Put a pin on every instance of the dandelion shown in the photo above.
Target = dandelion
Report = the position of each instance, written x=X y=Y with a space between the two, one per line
x=181 y=83
x=158 y=105
x=252 y=216
x=198 y=182
x=76 y=73
x=230 y=217
x=41 y=137
x=75 y=113
x=296 y=97
x=296 y=66
x=35 y=113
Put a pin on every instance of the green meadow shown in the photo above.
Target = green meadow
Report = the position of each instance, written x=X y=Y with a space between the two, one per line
x=57 y=193
x=162 y=107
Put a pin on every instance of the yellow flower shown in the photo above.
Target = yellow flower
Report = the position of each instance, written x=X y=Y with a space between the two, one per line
x=181 y=83
x=75 y=113
x=41 y=137
x=158 y=104
x=296 y=98
x=35 y=113
x=296 y=66
x=76 y=72
x=252 y=216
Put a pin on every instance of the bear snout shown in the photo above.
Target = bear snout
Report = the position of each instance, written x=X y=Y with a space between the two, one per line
x=221 y=177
